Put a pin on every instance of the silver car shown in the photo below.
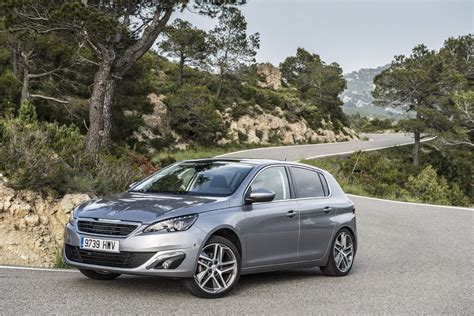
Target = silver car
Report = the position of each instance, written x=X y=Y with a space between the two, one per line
x=210 y=221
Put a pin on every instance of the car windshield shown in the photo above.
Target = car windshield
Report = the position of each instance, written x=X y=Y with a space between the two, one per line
x=209 y=178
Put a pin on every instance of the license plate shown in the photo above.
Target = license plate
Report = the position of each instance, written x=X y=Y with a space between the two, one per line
x=99 y=244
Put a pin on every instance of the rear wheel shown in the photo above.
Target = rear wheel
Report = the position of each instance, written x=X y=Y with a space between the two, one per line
x=341 y=256
x=99 y=275
x=218 y=269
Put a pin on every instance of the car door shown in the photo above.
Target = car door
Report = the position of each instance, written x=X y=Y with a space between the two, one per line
x=315 y=212
x=272 y=227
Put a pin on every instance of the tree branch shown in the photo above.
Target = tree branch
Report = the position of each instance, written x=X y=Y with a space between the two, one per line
x=459 y=143
x=33 y=76
x=49 y=98
x=151 y=32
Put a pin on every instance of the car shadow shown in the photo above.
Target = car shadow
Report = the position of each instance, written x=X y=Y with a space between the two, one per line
x=144 y=286
x=256 y=280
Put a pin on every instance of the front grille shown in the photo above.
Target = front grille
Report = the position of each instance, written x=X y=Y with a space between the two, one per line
x=116 y=260
x=105 y=228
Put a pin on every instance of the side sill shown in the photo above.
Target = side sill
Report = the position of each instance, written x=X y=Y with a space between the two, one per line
x=283 y=266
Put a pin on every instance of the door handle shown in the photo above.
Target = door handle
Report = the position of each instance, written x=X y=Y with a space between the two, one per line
x=327 y=209
x=291 y=214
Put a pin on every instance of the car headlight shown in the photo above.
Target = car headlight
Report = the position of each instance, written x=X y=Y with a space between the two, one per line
x=72 y=216
x=173 y=224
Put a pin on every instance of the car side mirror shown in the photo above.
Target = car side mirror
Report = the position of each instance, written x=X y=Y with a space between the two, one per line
x=259 y=195
x=132 y=185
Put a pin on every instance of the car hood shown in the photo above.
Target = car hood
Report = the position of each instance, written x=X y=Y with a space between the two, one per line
x=146 y=207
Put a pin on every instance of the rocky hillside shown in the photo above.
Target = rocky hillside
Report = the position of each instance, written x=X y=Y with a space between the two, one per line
x=357 y=97
x=259 y=128
x=32 y=225
x=256 y=126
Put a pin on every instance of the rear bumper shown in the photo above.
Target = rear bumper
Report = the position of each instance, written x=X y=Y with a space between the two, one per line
x=144 y=252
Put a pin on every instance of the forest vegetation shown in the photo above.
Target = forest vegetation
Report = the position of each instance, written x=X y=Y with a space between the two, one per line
x=76 y=79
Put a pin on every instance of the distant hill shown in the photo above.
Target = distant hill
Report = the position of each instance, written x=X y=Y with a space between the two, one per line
x=357 y=97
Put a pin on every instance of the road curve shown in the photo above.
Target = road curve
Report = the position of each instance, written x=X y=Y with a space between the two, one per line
x=298 y=152
x=412 y=258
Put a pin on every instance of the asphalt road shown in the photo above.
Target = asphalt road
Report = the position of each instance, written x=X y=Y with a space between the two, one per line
x=298 y=152
x=412 y=259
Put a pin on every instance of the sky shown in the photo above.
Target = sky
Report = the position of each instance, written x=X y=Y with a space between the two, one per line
x=354 y=33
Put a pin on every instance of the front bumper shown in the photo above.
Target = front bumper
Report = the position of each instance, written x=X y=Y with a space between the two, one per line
x=156 y=245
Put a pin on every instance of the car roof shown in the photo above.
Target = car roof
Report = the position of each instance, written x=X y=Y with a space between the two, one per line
x=251 y=161
x=254 y=161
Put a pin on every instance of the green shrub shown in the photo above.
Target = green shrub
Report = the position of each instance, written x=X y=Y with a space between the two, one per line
x=49 y=157
x=2 y=131
x=243 y=137
x=390 y=174
x=10 y=91
x=273 y=137
x=28 y=161
x=27 y=112
x=428 y=187
x=193 y=115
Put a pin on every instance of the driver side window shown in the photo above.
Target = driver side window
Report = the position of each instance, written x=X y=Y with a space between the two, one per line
x=274 y=179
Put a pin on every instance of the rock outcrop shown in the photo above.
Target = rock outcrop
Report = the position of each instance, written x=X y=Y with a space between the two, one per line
x=271 y=75
x=32 y=225
x=259 y=129
x=155 y=124
x=269 y=128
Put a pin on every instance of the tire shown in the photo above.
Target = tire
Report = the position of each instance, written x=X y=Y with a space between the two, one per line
x=340 y=265
x=211 y=268
x=96 y=275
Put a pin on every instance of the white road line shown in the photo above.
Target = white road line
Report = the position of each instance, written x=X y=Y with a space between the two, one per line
x=370 y=149
x=305 y=145
x=273 y=147
x=328 y=144
x=37 y=269
x=413 y=203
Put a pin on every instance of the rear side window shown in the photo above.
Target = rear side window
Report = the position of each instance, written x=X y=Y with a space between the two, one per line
x=307 y=183
x=325 y=184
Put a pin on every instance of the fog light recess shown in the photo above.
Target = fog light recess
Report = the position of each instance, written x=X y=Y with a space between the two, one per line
x=167 y=261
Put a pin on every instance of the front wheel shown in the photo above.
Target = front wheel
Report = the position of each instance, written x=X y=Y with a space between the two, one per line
x=99 y=275
x=218 y=269
x=341 y=256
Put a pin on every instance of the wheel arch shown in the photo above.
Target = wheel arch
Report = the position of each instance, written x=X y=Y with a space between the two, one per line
x=354 y=236
x=229 y=233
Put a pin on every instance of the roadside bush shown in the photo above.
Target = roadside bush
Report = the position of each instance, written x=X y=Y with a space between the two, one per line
x=28 y=161
x=428 y=187
x=50 y=157
x=431 y=188
x=27 y=112
x=390 y=174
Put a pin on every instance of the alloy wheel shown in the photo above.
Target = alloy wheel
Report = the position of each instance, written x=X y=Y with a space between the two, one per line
x=217 y=268
x=343 y=252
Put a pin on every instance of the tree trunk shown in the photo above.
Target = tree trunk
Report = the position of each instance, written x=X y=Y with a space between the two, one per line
x=107 y=113
x=219 y=85
x=180 y=70
x=25 y=95
x=417 y=147
x=100 y=107
x=15 y=61
x=96 y=105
